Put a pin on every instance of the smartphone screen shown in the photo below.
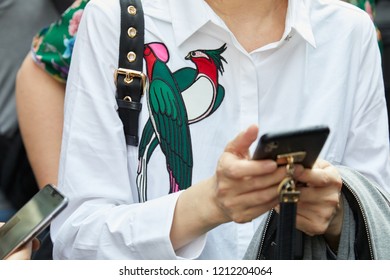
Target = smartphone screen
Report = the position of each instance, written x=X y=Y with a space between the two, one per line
x=31 y=219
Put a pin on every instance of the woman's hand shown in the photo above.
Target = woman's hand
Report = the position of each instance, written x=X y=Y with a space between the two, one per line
x=245 y=188
x=240 y=190
x=24 y=252
x=319 y=210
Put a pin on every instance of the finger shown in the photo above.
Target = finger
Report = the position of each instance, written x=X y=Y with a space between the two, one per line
x=320 y=177
x=249 y=213
x=314 y=221
x=249 y=192
x=267 y=196
x=231 y=167
x=322 y=164
x=24 y=253
x=316 y=208
x=240 y=145
x=36 y=244
x=316 y=195
x=266 y=180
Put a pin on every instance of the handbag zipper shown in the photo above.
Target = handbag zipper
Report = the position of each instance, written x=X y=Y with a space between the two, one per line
x=364 y=217
x=264 y=233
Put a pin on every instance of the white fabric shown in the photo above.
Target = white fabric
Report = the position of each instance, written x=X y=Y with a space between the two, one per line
x=325 y=70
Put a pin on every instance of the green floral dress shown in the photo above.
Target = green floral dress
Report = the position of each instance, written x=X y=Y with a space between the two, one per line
x=52 y=47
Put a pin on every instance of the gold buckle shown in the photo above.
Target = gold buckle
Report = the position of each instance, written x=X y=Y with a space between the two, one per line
x=295 y=157
x=287 y=191
x=287 y=188
x=130 y=75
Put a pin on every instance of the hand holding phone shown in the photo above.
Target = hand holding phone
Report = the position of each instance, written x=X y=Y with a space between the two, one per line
x=24 y=252
x=304 y=145
x=31 y=219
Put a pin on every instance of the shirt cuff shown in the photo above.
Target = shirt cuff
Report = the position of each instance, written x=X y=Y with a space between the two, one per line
x=193 y=249
x=152 y=231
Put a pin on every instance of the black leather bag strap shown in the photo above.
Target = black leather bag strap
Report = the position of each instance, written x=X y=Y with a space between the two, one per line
x=130 y=81
x=287 y=237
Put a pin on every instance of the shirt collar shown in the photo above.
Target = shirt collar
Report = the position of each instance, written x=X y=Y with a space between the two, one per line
x=187 y=18
x=298 y=19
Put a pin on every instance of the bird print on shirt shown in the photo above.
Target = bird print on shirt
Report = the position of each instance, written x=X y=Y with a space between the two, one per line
x=175 y=100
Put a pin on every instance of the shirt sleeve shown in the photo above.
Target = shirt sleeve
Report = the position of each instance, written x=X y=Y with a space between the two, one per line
x=103 y=219
x=368 y=139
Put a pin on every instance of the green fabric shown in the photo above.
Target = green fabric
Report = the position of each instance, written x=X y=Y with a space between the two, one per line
x=367 y=5
x=52 y=47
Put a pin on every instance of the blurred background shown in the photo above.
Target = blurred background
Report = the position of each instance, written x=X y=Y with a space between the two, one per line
x=382 y=21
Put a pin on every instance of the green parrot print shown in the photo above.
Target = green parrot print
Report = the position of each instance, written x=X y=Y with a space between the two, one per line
x=175 y=100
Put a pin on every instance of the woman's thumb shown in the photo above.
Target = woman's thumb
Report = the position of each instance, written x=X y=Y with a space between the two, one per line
x=240 y=145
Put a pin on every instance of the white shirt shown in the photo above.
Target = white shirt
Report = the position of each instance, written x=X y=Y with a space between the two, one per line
x=324 y=70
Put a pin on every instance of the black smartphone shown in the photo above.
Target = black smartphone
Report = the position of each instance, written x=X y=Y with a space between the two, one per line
x=304 y=145
x=31 y=219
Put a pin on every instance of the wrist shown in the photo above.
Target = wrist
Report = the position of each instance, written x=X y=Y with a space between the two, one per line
x=196 y=213
x=212 y=212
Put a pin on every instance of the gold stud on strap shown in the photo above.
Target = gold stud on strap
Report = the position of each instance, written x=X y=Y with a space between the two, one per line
x=132 y=32
x=127 y=98
x=131 y=56
x=132 y=10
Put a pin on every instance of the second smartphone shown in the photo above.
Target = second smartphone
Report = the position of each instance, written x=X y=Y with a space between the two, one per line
x=31 y=219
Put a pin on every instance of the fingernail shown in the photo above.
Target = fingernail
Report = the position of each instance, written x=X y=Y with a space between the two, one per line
x=270 y=165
